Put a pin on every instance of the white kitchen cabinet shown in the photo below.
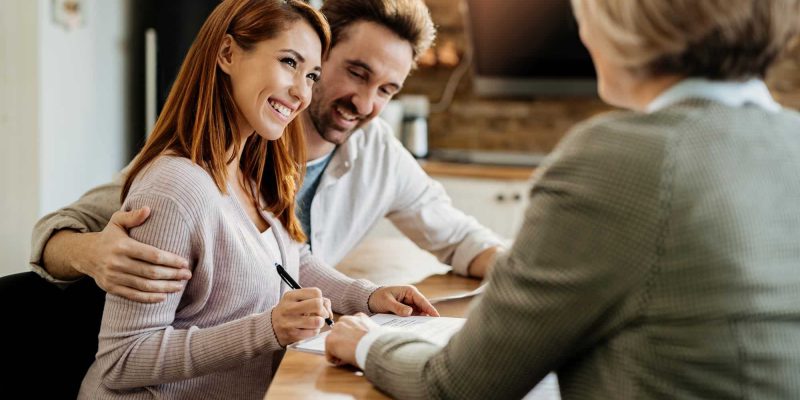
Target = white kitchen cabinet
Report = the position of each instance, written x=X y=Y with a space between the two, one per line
x=498 y=204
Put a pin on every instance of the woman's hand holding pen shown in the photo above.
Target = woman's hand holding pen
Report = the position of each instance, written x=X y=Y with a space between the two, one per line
x=300 y=315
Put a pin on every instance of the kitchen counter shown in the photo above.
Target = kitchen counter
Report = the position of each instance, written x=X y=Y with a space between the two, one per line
x=471 y=170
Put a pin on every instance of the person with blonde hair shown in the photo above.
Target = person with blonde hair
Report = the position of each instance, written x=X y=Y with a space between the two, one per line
x=219 y=175
x=659 y=253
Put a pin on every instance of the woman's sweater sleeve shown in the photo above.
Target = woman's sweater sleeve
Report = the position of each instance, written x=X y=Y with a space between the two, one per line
x=347 y=295
x=138 y=345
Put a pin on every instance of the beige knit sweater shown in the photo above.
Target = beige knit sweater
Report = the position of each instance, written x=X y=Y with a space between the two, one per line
x=214 y=339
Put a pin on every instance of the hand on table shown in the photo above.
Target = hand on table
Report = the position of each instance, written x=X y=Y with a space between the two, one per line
x=341 y=343
x=402 y=300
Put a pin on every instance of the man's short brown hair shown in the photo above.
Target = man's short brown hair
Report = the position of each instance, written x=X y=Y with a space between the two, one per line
x=408 y=19
x=715 y=39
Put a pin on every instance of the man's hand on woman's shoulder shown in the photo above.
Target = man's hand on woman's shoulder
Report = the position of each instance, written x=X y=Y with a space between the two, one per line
x=127 y=268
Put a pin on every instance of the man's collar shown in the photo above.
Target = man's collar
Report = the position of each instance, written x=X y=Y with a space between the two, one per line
x=345 y=155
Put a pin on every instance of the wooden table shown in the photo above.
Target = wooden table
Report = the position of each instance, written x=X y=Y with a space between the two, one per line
x=309 y=376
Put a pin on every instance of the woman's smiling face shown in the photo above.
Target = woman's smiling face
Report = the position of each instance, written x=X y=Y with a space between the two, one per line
x=272 y=81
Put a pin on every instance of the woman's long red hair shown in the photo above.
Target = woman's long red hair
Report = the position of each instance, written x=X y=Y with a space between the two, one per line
x=199 y=117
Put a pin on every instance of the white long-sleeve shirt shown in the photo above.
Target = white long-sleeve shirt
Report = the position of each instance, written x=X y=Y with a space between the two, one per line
x=372 y=176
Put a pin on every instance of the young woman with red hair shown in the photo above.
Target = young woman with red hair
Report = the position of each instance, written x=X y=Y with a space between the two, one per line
x=219 y=174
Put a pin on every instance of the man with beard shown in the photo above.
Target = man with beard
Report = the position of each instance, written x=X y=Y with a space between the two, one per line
x=357 y=172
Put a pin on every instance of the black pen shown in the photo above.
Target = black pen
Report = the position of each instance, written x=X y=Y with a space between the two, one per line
x=292 y=284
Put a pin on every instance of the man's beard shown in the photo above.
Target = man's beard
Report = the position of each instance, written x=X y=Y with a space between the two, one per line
x=324 y=121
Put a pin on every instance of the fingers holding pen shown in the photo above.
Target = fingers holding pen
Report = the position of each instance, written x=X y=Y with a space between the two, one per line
x=299 y=315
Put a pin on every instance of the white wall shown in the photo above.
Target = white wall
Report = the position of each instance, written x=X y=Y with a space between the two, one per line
x=19 y=127
x=82 y=101
x=63 y=112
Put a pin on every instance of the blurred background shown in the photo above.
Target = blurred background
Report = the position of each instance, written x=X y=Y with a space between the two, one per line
x=81 y=82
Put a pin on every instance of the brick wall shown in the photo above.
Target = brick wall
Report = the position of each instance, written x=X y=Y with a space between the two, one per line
x=536 y=125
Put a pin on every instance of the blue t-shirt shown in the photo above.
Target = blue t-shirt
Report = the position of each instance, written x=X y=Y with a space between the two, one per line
x=314 y=170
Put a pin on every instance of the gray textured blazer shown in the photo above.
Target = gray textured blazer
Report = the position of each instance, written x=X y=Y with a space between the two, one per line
x=659 y=258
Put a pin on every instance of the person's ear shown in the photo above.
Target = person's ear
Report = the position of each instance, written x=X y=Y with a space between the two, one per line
x=225 y=54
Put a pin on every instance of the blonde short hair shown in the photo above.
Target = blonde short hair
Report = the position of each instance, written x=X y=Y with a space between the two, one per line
x=715 y=39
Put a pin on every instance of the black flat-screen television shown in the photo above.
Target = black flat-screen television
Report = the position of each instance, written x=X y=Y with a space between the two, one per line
x=528 y=48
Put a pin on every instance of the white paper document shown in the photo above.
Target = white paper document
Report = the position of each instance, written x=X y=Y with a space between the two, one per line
x=435 y=329
x=457 y=296
x=547 y=389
